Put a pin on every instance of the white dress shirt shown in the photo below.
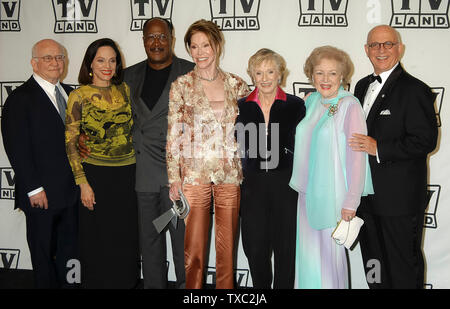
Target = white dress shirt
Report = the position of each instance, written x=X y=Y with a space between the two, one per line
x=374 y=89
x=49 y=89
x=372 y=93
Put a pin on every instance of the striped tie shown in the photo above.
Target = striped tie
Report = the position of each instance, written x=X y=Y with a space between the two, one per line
x=61 y=104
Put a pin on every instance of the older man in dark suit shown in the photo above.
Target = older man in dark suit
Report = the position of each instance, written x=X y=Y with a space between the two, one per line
x=402 y=131
x=33 y=121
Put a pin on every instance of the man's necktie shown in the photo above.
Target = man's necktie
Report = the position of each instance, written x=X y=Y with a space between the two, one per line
x=373 y=78
x=61 y=104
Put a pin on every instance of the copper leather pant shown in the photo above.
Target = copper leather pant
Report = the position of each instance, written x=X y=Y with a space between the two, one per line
x=226 y=209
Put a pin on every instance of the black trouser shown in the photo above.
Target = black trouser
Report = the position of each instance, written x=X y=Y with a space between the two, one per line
x=153 y=244
x=391 y=248
x=109 y=245
x=269 y=216
x=52 y=239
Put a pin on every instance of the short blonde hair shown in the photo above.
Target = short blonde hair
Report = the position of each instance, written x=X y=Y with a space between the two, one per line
x=212 y=31
x=331 y=53
x=265 y=54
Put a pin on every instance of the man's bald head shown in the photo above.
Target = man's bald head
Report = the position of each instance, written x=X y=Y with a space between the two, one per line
x=48 y=60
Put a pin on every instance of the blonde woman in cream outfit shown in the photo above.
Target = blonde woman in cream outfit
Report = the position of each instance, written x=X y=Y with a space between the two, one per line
x=202 y=157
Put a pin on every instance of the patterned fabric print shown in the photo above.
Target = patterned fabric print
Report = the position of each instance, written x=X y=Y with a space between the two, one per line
x=200 y=149
x=104 y=115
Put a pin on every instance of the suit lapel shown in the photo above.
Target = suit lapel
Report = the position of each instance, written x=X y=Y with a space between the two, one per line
x=43 y=98
x=138 y=82
x=162 y=104
x=361 y=92
x=384 y=93
x=174 y=72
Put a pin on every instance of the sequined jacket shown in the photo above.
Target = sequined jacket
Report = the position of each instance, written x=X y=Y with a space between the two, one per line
x=200 y=149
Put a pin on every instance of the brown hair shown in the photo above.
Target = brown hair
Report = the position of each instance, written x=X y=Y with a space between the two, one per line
x=84 y=78
x=212 y=31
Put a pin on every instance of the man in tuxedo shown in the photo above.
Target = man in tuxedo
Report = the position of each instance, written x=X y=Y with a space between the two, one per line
x=150 y=82
x=402 y=131
x=33 y=125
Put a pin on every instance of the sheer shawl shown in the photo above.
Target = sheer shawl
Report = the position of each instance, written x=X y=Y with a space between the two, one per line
x=332 y=175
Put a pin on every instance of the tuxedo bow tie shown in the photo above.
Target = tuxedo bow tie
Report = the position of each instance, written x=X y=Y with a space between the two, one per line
x=373 y=78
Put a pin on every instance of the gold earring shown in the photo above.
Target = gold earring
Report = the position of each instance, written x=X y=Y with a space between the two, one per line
x=90 y=74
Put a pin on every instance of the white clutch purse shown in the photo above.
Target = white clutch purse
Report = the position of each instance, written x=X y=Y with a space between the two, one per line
x=346 y=232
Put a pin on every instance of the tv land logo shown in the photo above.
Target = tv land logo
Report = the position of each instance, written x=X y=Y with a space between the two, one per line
x=6 y=89
x=9 y=15
x=75 y=16
x=235 y=14
x=323 y=13
x=141 y=10
x=9 y=258
x=241 y=276
x=74 y=86
x=7 y=183
x=433 y=200
x=439 y=92
x=426 y=14
x=302 y=89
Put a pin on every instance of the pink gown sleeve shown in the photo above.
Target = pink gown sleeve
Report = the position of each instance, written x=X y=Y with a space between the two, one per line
x=355 y=165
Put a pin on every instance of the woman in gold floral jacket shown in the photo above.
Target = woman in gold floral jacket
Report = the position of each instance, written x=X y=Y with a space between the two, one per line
x=202 y=156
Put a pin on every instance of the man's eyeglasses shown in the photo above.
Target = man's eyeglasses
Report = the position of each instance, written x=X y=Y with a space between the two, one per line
x=161 y=37
x=48 y=58
x=386 y=45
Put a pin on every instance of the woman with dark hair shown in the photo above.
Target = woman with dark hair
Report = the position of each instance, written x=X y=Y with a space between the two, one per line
x=101 y=109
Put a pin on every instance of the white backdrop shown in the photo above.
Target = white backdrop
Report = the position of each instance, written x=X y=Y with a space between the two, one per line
x=291 y=27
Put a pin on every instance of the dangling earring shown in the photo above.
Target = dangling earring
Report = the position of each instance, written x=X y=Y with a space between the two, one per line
x=90 y=74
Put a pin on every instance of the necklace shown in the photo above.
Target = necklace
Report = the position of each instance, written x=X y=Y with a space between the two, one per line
x=333 y=108
x=210 y=79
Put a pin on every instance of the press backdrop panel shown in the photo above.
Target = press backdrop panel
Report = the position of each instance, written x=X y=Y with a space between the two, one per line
x=291 y=27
